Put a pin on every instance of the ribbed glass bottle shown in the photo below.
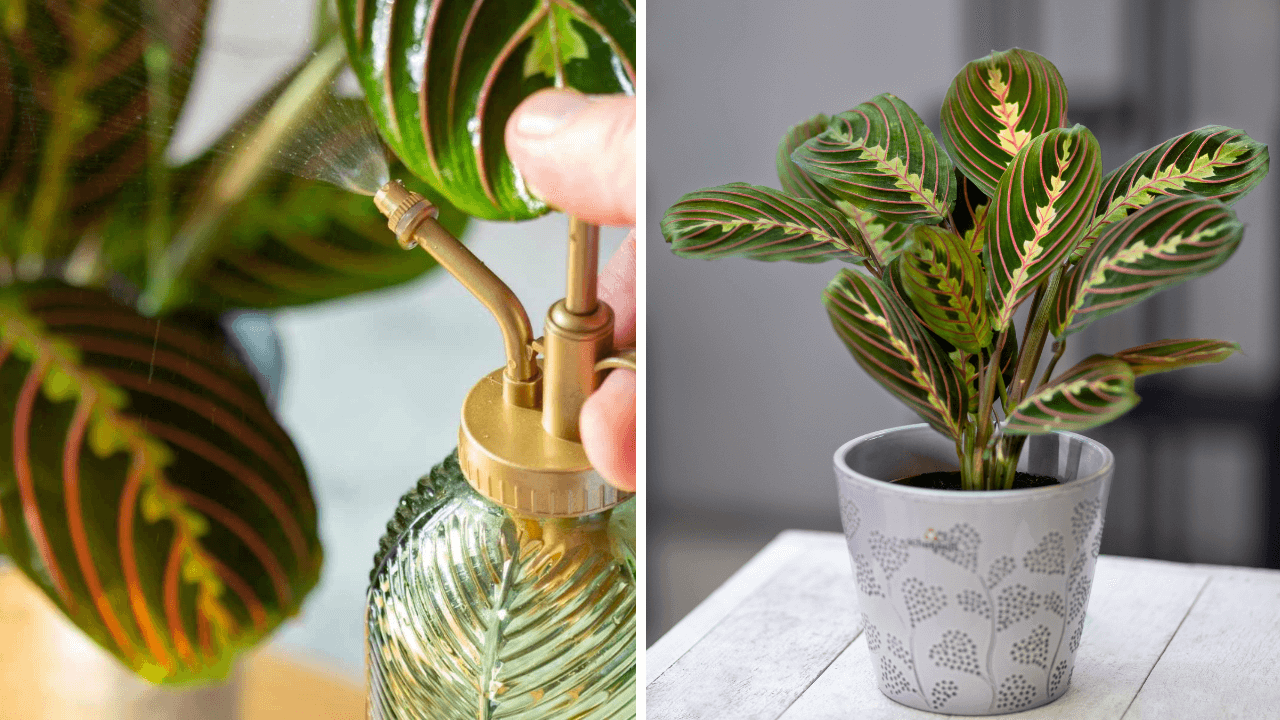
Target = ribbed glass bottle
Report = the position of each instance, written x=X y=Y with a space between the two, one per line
x=478 y=613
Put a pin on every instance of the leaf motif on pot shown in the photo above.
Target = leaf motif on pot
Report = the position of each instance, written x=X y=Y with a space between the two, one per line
x=1059 y=674
x=1078 y=586
x=922 y=601
x=1015 y=604
x=956 y=651
x=891 y=678
x=850 y=517
x=1053 y=603
x=898 y=650
x=1049 y=557
x=974 y=602
x=1083 y=518
x=942 y=692
x=1033 y=649
x=1015 y=693
x=891 y=553
x=872 y=633
x=866 y=577
x=1000 y=569
x=959 y=545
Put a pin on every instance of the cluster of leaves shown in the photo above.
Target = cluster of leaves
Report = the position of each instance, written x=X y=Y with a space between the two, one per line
x=144 y=485
x=955 y=236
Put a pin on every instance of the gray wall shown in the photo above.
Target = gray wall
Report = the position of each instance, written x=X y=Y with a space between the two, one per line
x=750 y=391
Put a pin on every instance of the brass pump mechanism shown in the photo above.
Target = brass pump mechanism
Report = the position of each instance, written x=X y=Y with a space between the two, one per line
x=518 y=442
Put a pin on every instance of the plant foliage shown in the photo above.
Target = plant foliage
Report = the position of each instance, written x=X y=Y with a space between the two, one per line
x=955 y=241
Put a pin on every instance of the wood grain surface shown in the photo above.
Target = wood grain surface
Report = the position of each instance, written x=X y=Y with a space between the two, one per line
x=50 y=671
x=781 y=640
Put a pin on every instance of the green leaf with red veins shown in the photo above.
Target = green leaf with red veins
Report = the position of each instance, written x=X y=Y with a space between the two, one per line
x=1097 y=391
x=894 y=348
x=759 y=223
x=1039 y=212
x=1165 y=355
x=995 y=106
x=886 y=239
x=882 y=158
x=1165 y=243
x=1214 y=161
x=947 y=287
x=442 y=78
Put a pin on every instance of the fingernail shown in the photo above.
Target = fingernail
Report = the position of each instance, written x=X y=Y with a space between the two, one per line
x=547 y=112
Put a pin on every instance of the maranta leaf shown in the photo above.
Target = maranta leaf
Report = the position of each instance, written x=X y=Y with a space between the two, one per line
x=1165 y=355
x=1039 y=212
x=1097 y=391
x=995 y=106
x=145 y=486
x=1214 y=161
x=1167 y=242
x=895 y=349
x=760 y=223
x=443 y=77
x=881 y=157
x=947 y=286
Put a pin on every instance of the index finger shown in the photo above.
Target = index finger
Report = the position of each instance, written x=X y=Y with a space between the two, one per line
x=578 y=153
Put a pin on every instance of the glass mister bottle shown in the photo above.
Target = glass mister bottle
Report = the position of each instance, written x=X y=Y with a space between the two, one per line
x=505 y=586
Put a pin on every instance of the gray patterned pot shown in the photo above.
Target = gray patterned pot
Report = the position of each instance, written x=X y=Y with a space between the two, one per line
x=972 y=602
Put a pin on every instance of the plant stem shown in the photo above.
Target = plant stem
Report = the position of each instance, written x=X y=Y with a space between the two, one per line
x=986 y=396
x=1059 y=346
x=1033 y=343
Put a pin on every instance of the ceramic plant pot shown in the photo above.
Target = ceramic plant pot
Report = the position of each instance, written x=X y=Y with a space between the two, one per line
x=972 y=602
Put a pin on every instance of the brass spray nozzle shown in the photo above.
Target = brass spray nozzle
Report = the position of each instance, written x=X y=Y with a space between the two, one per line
x=518 y=443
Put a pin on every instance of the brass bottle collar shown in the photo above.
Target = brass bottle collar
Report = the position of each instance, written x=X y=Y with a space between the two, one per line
x=518 y=441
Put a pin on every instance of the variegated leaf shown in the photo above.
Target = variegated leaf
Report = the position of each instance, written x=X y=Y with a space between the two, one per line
x=947 y=287
x=760 y=223
x=144 y=485
x=883 y=238
x=1040 y=210
x=1169 y=241
x=974 y=364
x=88 y=95
x=1097 y=391
x=1214 y=161
x=1165 y=355
x=793 y=179
x=881 y=157
x=969 y=217
x=995 y=106
x=442 y=78
x=894 y=348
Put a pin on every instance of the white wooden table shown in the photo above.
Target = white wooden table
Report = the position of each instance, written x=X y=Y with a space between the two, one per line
x=782 y=639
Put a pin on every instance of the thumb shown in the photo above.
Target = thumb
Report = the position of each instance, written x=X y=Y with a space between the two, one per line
x=578 y=153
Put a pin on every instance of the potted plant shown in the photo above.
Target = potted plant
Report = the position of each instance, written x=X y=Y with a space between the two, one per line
x=145 y=486
x=973 y=537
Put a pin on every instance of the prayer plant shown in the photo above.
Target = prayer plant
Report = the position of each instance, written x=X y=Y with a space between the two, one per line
x=145 y=486
x=1012 y=206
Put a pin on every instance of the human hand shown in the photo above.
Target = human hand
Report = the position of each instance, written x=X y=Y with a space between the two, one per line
x=578 y=153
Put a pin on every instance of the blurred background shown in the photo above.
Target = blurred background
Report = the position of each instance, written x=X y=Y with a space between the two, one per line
x=750 y=392
x=372 y=386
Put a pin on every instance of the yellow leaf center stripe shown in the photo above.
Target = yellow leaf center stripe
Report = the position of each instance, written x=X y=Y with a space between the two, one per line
x=1007 y=113
x=1171 y=179
x=928 y=396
